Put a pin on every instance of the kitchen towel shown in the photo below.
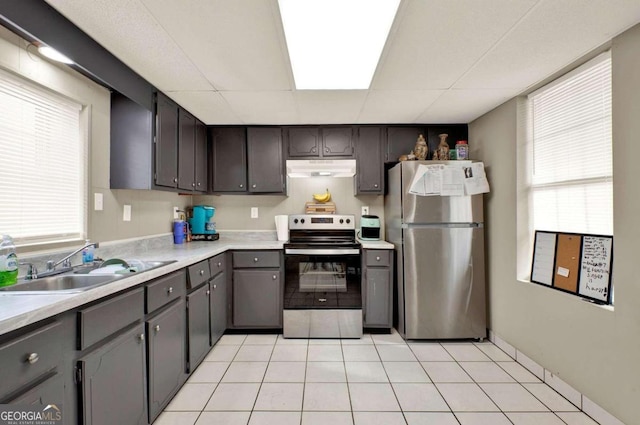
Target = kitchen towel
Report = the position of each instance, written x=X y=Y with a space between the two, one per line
x=282 y=227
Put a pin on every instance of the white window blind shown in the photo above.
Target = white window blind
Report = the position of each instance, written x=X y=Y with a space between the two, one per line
x=42 y=196
x=572 y=187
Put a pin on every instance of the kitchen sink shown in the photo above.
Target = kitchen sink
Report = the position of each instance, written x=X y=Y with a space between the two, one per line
x=61 y=284
x=81 y=279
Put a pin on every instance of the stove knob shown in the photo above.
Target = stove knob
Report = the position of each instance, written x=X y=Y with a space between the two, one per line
x=341 y=221
x=295 y=220
x=302 y=220
x=348 y=220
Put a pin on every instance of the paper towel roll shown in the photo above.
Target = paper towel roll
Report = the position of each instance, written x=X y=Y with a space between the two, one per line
x=282 y=227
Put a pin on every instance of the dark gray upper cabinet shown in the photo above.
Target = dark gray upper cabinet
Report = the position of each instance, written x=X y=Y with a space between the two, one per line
x=186 y=151
x=166 y=146
x=229 y=159
x=201 y=157
x=320 y=142
x=266 y=166
x=304 y=142
x=369 y=149
x=401 y=141
x=113 y=381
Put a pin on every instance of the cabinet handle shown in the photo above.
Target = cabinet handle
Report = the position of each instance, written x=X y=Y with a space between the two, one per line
x=32 y=358
x=377 y=258
x=175 y=180
x=253 y=186
x=255 y=260
x=141 y=337
x=156 y=328
x=275 y=277
x=375 y=185
x=215 y=286
x=219 y=264
x=201 y=272
x=193 y=184
x=199 y=184
x=241 y=186
x=326 y=150
x=170 y=290
x=208 y=292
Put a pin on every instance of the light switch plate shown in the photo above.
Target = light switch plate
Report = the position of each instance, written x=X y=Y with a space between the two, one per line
x=176 y=214
x=254 y=212
x=126 y=213
x=98 y=204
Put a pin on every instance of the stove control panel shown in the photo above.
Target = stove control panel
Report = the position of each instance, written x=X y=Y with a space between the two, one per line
x=322 y=221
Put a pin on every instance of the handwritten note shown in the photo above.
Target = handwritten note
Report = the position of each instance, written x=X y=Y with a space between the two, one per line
x=544 y=252
x=595 y=269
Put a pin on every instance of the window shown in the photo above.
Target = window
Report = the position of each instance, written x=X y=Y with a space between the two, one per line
x=571 y=149
x=43 y=191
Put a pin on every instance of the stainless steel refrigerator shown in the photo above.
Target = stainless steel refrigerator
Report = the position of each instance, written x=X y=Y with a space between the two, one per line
x=439 y=242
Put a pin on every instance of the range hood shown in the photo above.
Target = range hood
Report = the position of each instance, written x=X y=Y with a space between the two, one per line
x=321 y=168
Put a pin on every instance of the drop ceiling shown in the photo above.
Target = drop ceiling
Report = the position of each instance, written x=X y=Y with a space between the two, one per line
x=445 y=61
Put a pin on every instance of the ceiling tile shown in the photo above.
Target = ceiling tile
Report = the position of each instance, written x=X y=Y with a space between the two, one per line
x=127 y=30
x=208 y=106
x=274 y=107
x=238 y=45
x=435 y=42
x=329 y=106
x=396 y=106
x=553 y=35
x=463 y=106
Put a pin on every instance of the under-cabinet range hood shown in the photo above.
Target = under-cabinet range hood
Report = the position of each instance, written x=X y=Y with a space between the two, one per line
x=321 y=168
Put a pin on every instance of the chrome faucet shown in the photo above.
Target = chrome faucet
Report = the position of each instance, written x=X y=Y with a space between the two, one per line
x=32 y=271
x=66 y=261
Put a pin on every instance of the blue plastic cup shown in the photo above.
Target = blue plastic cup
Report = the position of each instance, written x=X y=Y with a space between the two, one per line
x=178 y=232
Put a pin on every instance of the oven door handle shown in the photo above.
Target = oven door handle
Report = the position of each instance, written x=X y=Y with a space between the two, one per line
x=336 y=251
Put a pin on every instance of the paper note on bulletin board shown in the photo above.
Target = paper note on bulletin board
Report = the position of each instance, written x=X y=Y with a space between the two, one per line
x=595 y=271
x=567 y=262
x=544 y=251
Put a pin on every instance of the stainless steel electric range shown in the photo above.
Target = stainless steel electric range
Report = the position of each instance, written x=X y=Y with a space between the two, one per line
x=322 y=295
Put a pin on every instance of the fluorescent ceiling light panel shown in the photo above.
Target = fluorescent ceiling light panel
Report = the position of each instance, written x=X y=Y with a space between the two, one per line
x=336 y=44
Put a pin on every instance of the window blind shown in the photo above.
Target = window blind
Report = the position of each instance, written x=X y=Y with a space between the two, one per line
x=572 y=181
x=42 y=196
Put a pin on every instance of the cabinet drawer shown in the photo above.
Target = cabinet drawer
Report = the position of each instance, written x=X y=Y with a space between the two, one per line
x=217 y=264
x=98 y=322
x=47 y=392
x=378 y=257
x=164 y=290
x=198 y=274
x=245 y=259
x=29 y=356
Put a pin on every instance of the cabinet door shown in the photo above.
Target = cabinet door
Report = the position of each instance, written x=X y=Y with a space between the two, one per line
x=113 y=384
x=198 y=325
x=166 y=149
x=166 y=339
x=186 y=151
x=401 y=141
x=336 y=141
x=218 y=307
x=201 y=157
x=370 y=177
x=266 y=167
x=378 y=297
x=257 y=298
x=304 y=142
x=229 y=159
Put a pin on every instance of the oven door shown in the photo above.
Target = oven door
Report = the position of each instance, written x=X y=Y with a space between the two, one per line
x=322 y=279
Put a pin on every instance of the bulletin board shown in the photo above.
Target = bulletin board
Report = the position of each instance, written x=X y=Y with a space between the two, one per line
x=576 y=263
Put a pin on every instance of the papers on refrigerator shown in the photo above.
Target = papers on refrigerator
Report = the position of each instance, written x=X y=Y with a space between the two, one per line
x=449 y=180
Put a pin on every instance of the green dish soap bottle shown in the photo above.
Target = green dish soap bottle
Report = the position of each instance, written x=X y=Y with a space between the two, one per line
x=8 y=261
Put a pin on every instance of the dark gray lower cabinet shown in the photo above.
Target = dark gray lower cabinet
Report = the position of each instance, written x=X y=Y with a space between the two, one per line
x=166 y=345
x=198 y=324
x=113 y=384
x=51 y=391
x=218 y=306
x=257 y=298
x=377 y=288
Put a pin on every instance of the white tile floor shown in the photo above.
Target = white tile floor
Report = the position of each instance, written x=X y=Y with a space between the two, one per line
x=376 y=380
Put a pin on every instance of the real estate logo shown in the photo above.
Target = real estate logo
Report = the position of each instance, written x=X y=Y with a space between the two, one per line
x=10 y=414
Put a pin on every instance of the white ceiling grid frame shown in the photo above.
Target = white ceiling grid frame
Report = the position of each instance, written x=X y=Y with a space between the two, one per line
x=235 y=43
x=267 y=107
x=208 y=106
x=329 y=106
x=396 y=105
x=129 y=31
x=463 y=106
x=554 y=34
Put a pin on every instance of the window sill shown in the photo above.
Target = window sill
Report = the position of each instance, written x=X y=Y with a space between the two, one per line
x=570 y=296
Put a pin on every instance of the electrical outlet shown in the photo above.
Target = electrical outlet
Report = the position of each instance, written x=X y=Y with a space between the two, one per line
x=365 y=210
x=176 y=214
x=98 y=204
x=126 y=213
x=254 y=212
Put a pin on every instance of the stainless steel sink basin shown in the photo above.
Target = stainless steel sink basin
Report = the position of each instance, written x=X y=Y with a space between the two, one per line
x=64 y=284
x=136 y=266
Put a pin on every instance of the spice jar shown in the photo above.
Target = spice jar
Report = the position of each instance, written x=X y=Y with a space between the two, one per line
x=462 y=149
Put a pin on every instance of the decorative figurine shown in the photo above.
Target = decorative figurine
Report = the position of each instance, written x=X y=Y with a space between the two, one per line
x=420 y=150
x=442 y=151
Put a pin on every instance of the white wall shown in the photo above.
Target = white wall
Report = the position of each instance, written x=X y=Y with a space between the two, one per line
x=151 y=210
x=593 y=348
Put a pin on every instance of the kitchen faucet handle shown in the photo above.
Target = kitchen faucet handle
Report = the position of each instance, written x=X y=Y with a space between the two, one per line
x=32 y=271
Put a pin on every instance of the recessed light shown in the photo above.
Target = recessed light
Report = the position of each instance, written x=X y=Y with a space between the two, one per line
x=53 y=54
x=336 y=44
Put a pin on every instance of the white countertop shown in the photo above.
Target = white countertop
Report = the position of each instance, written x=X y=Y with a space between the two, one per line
x=18 y=310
